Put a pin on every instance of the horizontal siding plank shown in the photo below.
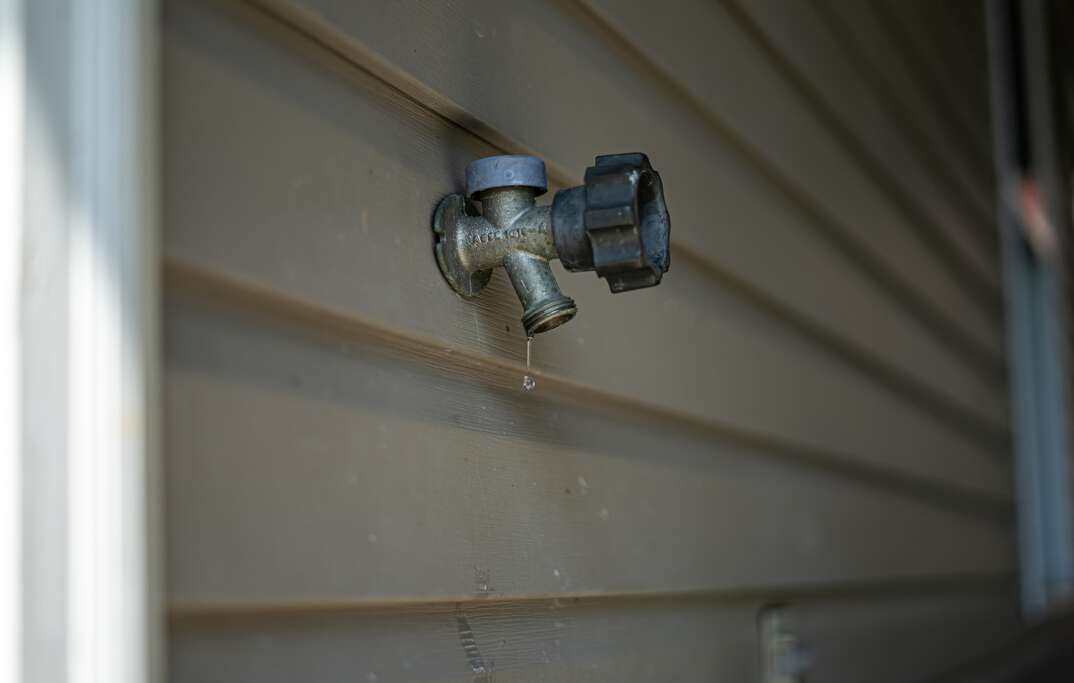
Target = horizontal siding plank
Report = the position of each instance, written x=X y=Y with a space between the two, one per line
x=304 y=466
x=707 y=169
x=797 y=32
x=592 y=640
x=969 y=30
x=245 y=295
x=932 y=49
x=303 y=198
x=503 y=642
x=870 y=40
x=958 y=33
x=902 y=639
x=712 y=53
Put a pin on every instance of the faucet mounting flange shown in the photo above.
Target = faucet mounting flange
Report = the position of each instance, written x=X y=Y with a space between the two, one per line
x=448 y=216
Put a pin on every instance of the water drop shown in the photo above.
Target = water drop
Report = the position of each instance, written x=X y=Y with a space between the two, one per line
x=528 y=382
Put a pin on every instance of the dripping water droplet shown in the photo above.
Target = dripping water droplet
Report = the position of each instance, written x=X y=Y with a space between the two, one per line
x=528 y=382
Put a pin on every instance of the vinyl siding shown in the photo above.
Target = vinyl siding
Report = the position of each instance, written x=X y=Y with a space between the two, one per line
x=811 y=408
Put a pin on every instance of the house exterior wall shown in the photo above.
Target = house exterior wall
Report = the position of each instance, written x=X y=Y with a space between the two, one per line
x=810 y=410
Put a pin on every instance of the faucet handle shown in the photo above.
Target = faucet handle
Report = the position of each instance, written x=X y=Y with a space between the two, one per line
x=617 y=223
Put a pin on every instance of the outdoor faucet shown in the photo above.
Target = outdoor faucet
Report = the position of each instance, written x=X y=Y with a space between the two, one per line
x=616 y=223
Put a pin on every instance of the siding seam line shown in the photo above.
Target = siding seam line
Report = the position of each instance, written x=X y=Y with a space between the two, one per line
x=874 y=76
x=949 y=585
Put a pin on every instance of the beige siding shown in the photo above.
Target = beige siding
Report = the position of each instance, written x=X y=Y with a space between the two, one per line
x=662 y=639
x=811 y=408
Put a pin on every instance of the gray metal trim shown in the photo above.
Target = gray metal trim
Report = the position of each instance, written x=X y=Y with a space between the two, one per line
x=1034 y=304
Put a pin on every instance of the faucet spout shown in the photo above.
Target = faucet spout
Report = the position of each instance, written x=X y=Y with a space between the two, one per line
x=544 y=307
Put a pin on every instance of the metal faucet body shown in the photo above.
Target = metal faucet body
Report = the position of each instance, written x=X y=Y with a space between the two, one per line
x=512 y=231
